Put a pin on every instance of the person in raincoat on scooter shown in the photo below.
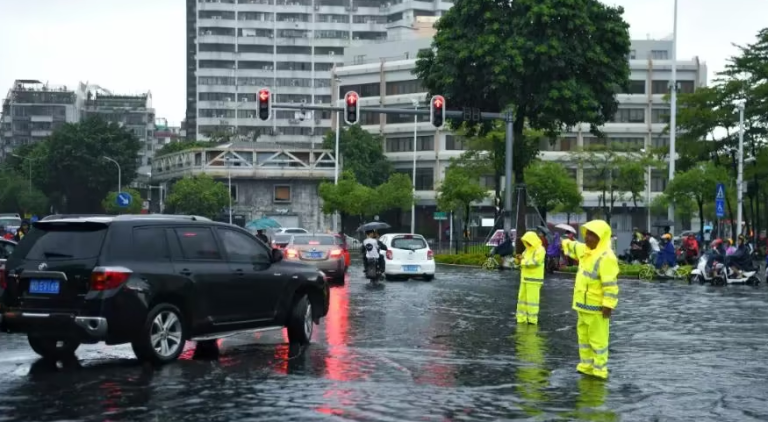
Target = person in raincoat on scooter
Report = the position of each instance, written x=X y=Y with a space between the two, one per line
x=531 y=263
x=595 y=295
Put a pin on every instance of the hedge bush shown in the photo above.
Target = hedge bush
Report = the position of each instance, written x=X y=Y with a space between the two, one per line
x=625 y=270
x=474 y=259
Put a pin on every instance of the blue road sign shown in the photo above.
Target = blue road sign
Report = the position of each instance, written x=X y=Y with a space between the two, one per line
x=720 y=208
x=720 y=200
x=124 y=199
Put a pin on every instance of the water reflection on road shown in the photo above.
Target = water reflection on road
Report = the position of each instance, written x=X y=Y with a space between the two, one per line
x=443 y=351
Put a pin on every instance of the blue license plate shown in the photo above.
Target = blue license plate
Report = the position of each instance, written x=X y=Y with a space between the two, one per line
x=410 y=268
x=315 y=255
x=46 y=287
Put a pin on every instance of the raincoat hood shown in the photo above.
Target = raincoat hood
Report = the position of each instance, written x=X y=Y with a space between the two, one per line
x=532 y=239
x=601 y=229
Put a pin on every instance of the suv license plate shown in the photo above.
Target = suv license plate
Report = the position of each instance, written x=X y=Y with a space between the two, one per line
x=47 y=287
x=410 y=268
x=315 y=255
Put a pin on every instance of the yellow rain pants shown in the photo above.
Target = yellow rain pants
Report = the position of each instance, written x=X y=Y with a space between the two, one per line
x=532 y=264
x=593 y=332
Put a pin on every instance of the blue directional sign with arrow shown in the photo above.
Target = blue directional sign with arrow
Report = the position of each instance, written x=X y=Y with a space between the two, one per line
x=124 y=199
x=720 y=200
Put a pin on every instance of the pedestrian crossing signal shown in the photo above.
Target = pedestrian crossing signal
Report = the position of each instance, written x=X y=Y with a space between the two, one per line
x=265 y=105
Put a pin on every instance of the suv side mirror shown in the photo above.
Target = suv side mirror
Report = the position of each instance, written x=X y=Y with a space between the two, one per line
x=277 y=255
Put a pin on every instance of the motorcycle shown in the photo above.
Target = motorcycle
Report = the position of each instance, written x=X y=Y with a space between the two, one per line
x=700 y=274
x=724 y=275
x=372 y=270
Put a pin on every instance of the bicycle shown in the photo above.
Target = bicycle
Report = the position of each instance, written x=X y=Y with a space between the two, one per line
x=648 y=272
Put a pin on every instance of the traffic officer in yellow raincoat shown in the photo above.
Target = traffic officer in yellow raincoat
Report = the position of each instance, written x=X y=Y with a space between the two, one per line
x=531 y=278
x=595 y=295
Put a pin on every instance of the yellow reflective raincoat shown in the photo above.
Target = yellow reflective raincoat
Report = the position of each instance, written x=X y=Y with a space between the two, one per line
x=531 y=279
x=596 y=288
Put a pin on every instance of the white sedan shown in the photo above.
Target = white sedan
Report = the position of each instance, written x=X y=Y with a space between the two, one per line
x=407 y=256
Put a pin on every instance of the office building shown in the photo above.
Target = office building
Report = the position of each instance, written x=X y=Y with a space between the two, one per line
x=32 y=110
x=235 y=48
x=382 y=75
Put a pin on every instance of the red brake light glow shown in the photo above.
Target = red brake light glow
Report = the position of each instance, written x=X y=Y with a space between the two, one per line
x=190 y=234
x=335 y=253
x=389 y=255
x=430 y=255
x=108 y=278
x=291 y=253
x=313 y=242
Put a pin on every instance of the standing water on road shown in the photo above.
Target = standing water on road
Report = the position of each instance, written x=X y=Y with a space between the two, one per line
x=440 y=351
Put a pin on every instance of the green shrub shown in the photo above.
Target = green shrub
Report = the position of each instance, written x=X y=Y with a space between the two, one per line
x=474 y=259
x=625 y=270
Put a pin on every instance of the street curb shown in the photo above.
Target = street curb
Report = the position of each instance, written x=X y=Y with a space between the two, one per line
x=459 y=265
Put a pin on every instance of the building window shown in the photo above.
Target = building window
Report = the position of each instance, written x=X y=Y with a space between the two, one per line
x=632 y=54
x=635 y=87
x=233 y=192
x=425 y=179
x=685 y=87
x=488 y=182
x=661 y=142
x=282 y=194
x=628 y=143
x=659 y=87
x=659 y=179
x=630 y=115
x=363 y=90
x=405 y=144
x=660 y=54
x=405 y=87
x=453 y=143
x=660 y=115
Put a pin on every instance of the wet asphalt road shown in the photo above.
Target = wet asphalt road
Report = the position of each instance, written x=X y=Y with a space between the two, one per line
x=448 y=350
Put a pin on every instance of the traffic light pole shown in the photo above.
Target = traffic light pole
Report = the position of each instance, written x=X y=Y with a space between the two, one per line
x=508 y=118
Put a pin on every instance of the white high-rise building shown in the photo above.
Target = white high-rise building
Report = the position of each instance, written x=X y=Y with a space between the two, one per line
x=236 y=47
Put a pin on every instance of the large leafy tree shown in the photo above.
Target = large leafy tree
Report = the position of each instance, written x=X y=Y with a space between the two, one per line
x=551 y=186
x=110 y=203
x=70 y=165
x=361 y=153
x=16 y=195
x=351 y=198
x=553 y=63
x=198 y=195
x=458 y=190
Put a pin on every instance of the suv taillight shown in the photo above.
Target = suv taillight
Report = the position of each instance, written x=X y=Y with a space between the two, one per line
x=335 y=253
x=108 y=278
x=389 y=255
x=3 y=278
x=430 y=255
x=291 y=253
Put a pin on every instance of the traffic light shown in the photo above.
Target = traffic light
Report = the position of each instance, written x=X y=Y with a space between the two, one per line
x=351 y=110
x=265 y=104
x=437 y=111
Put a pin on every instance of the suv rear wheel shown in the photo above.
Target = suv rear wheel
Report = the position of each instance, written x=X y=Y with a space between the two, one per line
x=52 y=348
x=300 y=324
x=163 y=335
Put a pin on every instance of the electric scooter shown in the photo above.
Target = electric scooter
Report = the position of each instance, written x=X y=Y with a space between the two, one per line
x=700 y=274
x=724 y=275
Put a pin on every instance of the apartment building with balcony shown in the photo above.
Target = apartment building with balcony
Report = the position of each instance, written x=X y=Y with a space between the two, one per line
x=32 y=110
x=382 y=75
x=236 y=47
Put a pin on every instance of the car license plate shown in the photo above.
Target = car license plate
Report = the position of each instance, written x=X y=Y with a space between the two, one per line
x=47 y=287
x=314 y=255
x=410 y=268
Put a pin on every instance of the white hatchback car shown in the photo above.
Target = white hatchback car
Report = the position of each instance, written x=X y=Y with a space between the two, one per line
x=407 y=256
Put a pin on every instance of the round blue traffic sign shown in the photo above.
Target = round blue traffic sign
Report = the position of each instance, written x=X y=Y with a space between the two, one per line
x=124 y=199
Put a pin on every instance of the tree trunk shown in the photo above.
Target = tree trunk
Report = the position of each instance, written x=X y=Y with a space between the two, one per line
x=568 y=218
x=730 y=214
x=497 y=210
x=700 y=203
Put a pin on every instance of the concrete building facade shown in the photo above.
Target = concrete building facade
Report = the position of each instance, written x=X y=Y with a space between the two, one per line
x=32 y=110
x=236 y=47
x=638 y=125
x=268 y=180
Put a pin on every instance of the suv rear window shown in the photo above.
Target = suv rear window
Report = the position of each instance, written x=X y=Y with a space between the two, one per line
x=314 y=240
x=409 y=242
x=282 y=238
x=63 y=241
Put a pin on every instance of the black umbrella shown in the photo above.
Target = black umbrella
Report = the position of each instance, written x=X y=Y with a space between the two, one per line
x=375 y=225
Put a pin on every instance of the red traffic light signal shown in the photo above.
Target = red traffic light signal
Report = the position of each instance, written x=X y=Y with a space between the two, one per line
x=265 y=105
x=437 y=111
x=351 y=110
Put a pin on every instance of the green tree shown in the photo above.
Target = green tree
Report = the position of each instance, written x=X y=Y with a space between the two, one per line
x=550 y=186
x=182 y=146
x=16 y=196
x=70 y=164
x=198 y=195
x=696 y=187
x=110 y=203
x=553 y=63
x=350 y=198
x=361 y=153
x=458 y=190
x=396 y=193
x=685 y=208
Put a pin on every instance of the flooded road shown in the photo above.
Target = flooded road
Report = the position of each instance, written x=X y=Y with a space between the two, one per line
x=448 y=350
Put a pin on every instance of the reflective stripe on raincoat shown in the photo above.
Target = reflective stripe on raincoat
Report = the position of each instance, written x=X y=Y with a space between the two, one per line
x=532 y=262
x=597 y=280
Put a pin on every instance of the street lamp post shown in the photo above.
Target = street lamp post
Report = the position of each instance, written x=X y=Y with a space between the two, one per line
x=336 y=154
x=229 y=180
x=413 y=175
x=740 y=105
x=647 y=194
x=29 y=161
x=119 y=173
x=673 y=113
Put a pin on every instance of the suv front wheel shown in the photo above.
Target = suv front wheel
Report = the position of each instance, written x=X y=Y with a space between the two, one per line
x=51 y=348
x=163 y=335
x=300 y=323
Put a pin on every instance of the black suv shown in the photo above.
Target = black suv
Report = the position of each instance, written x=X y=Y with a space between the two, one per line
x=154 y=282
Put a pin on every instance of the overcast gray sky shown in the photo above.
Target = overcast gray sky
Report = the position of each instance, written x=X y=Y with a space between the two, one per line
x=130 y=46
